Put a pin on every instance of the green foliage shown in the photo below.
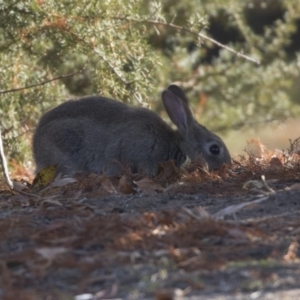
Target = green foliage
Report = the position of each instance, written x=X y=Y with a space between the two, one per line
x=131 y=50
x=237 y=91
x=40 y=40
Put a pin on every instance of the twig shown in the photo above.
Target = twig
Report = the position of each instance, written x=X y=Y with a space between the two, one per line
x=201 y=35
x=4 y=164
x=44 y=82
x=239 y=125
x=233 y=209
x=266 y=185
x=126 y=83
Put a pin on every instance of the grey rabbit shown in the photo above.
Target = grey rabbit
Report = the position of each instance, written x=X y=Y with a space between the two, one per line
x=97 y=134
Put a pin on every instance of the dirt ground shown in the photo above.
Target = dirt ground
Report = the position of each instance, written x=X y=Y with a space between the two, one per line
x=231 y=234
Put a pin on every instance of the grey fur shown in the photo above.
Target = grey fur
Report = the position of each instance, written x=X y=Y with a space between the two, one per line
x=96 y=134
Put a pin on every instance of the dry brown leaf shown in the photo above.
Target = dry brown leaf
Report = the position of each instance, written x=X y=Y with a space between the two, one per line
x=173 y=187
x=255 y=148
x=275 y=162
x=19 y=172
x=166 y=170
x=108 y=292
x=292 y=253
x=198 y=163
x=148 y=185
x=164 y=295
x=295 y=186
x=125 y=187
x=107 y=186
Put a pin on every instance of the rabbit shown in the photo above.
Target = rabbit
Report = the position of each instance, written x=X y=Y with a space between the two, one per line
x=98 y=134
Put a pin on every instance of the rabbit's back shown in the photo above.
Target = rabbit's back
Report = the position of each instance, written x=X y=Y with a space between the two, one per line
x=92 y=107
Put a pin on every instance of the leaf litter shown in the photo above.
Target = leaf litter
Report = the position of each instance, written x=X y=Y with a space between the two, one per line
x=184 y=232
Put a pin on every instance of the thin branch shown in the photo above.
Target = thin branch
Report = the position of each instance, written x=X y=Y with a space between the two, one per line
x=4 y=164
x=45 y=82
x=241 y=124
x=201 y=35
x=113 y=69
x=126 y=83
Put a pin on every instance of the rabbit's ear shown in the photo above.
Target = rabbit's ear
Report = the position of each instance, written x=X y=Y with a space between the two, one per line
x=177 y=110
x=176 y=90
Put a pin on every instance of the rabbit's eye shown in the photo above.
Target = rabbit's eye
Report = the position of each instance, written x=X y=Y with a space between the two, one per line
x=214 y=149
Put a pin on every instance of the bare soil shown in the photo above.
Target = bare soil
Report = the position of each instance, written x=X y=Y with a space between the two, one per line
x=231 y=234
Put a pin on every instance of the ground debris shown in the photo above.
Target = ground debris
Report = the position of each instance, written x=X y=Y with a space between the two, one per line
x=188 y=232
